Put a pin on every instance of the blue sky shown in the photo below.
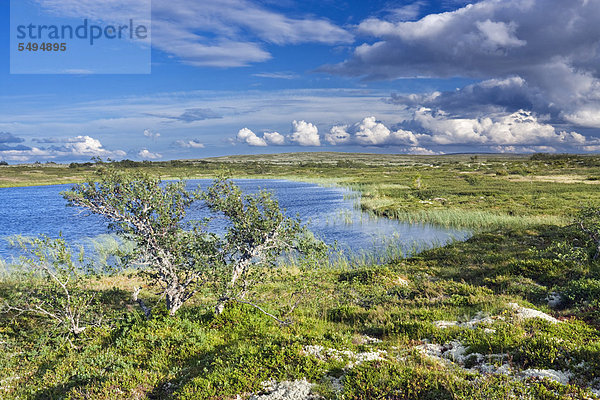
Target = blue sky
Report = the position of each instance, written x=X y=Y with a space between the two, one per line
x=243 y=77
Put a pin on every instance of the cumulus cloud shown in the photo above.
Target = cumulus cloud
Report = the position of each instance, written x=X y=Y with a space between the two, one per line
x=152 y=135
x=72 y=147
x=370 y=132
x=487 y=38
x=521 y=131
x=498 y=36
x=489 y=96
x=539 y=55
x=587 y=115
x=189 y=144
x=430 y=132
x=25 y=154
x=148 y=155
x=338 y=134
x=275 y=138
x=245 y=135
x=87 y=146
x=305 y=134
x=422 y=151
x=519 y=128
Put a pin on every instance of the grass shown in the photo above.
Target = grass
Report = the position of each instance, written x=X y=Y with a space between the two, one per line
x=523 y=250
x=479 y=220
x=473 y=191
x=201 y=356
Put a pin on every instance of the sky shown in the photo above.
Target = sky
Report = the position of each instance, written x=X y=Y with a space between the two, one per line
x=215 y=78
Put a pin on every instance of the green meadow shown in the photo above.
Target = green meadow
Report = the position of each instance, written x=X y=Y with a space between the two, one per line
x=511 y=313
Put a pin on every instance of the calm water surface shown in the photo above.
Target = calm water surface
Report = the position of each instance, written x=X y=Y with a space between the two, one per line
x=330 y=213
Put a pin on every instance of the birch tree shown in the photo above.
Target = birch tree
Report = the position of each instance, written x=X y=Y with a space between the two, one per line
x=53 y=285
x=181 y=257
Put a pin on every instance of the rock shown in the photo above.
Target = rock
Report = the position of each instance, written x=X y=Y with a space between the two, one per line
x=526 y=313
x=365 y=339
x=559 y=376
x=445 y=324
x=478 y=319
x=353 y=358
x=315 y=350
x=554 y=300
x=456 y=352
x=287 y=390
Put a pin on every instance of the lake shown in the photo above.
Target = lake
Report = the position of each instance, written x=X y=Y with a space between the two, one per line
x=330 y=212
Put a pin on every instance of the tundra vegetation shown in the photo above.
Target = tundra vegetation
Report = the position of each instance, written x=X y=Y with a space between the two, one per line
x=513 y=312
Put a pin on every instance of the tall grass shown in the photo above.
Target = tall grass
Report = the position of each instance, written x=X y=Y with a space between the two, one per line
x=477 y=220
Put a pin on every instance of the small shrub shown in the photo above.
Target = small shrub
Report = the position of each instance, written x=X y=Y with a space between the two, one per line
x=582 y=291
x=54 y=286
x=347 y=313
x=473 y=180
x=542 y=351
x=366 y=276
x=385 y=380
x=543 y=270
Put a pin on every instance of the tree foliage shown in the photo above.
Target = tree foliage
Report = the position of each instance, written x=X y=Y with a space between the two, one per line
x=181 y=256
x=258 y=232
x=53 y=285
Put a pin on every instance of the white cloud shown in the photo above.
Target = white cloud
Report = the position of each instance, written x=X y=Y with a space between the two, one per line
x=148 y=155
x=338 y=134
x=489 y=38
x=277 y=75
x=305 y=134
x=499 y=36
x=370 y=132
x=26 y=155
x=189 y=144
x=275 y=138
x=588 y=115
x=547 y=50
x=519 y=128
x=524 y=149
x=120 y=121
x=417 y=150
x=72 y=147
x=486 y=97
x=152 y=135
x=245 y=135
x=223 y=33
x=407 y=12
x=88 y=146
